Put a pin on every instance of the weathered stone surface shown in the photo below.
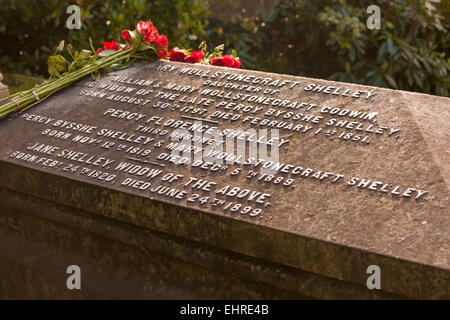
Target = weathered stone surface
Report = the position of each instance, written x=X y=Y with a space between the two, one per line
x=319 y=219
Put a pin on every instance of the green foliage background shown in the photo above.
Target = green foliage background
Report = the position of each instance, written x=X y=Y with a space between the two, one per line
x=31 y=29
x=315 y=38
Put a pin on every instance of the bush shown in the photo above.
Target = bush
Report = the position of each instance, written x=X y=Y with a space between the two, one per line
x=329 y=39
x=30 y=30
x=320 y=38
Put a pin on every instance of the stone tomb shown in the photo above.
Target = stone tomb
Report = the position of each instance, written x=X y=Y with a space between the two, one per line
x=98 y=176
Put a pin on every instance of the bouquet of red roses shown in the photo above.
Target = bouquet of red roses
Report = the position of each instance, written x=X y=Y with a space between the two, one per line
x=144 y=42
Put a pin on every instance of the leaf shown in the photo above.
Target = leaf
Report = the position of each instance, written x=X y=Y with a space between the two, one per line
x=348 y=68
x=371 y=73
x=202 y=46
x=352 y=54
x=56 y=65
x=92 y=46
x=234 y=53
x=72 y=66
x=220 y=48
x=119 y=66
x=143 y=46
x=391 y=48
x=409 y=77
x=378 y=81
x=272 y=15
x=418 y=79
x=85 y=53
x=132 y=34
x=382 y=50
x=106 y=53
x=391 y=81
x=52 y=71
x=60 y=46
x=95 y=76
x=70 y=49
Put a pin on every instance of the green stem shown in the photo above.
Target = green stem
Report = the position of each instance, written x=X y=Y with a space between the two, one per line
x=26 y=99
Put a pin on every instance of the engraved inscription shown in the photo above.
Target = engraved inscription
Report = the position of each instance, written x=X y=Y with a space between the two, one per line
x=170 y=139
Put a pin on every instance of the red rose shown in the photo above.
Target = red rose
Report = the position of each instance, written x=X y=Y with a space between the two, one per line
x=161 y=41
x=223 y=61
x=148 y=30
x=162 y=53
x=177 y=55
x=111 y=45
x=194 y=57
x=126 y=35
x=237 y=64
x=99 y=50
x=226 y=61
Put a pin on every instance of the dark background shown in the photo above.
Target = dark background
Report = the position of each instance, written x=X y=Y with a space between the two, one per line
x=315 y=38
